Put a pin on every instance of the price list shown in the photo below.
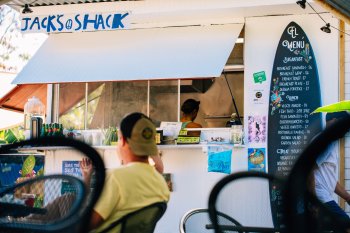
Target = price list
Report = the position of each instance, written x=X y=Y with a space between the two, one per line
x=293 y=115
x=290 y=119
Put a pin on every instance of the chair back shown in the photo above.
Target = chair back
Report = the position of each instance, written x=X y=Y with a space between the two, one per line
x=64 y=186
x=42 y=210
x=143 y=220
x=299 y=209
x=220 y=186
x=195 y=221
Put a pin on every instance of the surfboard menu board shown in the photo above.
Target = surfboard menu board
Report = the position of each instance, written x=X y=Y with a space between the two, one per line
x=294 y=94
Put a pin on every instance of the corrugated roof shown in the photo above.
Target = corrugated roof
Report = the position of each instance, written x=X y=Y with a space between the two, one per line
x=339 y=8
x=18 y=4
x=343 y=6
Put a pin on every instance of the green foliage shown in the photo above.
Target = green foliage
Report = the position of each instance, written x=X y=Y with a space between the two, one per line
x=11 y=135
x=93 y=100
x=16 y=48
x=110 y=135
x=24 y=56
x=74 y=117
x=10 y=32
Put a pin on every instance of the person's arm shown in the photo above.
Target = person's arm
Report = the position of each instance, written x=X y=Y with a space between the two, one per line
x=340 y=191
x=158 y=163
x=95 y=220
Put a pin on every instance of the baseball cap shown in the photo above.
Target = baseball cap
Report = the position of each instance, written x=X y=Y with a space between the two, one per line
x=139 y=132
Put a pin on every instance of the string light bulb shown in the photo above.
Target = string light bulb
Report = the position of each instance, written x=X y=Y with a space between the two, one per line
x=26 y=9
x=326 y=28
x=302 y=3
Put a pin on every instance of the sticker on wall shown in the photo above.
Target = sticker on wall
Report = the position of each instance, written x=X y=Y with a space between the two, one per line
x=259 y=77
x=294 y=94
x=276 y=97
x=257 y=159
x=19 y=168
x=70 y=168
x=256 y=129
x=260 y=97
x=219 y=159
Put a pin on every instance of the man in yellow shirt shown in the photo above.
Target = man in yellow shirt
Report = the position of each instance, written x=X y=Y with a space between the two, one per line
x=136 y=184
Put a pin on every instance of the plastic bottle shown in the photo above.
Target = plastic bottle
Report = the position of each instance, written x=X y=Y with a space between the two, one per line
x=33 y=108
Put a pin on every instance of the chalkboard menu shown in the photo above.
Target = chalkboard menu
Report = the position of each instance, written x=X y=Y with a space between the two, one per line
x=294 y=94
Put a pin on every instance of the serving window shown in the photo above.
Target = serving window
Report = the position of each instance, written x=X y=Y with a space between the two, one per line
x=102 y=104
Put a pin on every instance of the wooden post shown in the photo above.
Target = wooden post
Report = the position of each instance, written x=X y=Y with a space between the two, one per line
x=342 y=97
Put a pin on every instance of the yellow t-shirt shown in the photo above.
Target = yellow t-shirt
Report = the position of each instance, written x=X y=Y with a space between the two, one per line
x=129 y=188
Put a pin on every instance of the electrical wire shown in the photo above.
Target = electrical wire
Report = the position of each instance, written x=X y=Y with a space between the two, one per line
x=339 y=30
x=233 y=99
x=325 y=20
x=316 y=12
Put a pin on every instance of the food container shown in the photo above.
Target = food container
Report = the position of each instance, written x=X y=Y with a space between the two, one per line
x=169 y=140
x=159 y=137
x=236 y=134
x=33 y=108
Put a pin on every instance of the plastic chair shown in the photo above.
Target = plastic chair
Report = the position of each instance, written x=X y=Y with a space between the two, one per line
x=214 y=213
x=82 y=214
x=299 y=218
x=195 y=220
x=143 y=220
x=48 y=211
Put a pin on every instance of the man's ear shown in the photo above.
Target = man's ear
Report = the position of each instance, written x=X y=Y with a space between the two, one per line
x=122 y=139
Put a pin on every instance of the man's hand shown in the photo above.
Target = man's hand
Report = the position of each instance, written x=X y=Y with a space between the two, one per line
x=86 y=170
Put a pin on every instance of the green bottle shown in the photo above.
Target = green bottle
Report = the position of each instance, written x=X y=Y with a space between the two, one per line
x=55 y=130
x=49 y=130
x=61 y=130
x=43 y=131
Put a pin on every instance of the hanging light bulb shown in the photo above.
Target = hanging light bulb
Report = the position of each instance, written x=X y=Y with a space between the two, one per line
x=302 y=3
x=326 y=28
x=26 y=9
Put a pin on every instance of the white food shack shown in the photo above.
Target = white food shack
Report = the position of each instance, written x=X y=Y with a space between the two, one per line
x=103 y=60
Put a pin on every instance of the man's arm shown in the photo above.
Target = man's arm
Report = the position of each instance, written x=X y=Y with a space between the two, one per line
x=95 y=220
x=158 y=163
x=340 y=191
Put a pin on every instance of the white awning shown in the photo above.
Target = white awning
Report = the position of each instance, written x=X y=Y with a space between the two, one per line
x=140 y=54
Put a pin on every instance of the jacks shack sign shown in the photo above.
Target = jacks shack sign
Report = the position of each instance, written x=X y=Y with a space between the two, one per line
x=57 y=23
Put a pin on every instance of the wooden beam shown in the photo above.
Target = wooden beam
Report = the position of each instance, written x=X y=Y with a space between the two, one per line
x=11 y=108
x=342 y=97
x=334 y=11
